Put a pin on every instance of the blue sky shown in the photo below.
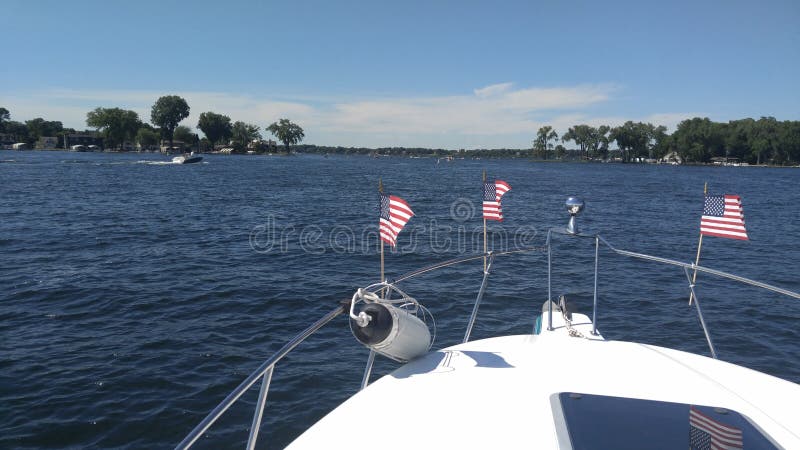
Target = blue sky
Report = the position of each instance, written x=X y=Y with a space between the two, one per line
x=457 y=74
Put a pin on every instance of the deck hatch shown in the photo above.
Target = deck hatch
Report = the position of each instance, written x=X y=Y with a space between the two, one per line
x=602 y=422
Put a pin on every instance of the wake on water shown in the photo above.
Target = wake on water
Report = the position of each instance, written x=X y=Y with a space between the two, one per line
x=157 y=163
x=117 y=163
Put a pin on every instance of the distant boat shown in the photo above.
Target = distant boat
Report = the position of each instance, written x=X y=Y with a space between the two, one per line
x=187 y=158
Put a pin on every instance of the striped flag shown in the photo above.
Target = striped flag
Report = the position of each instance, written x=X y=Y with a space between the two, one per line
x=707 y=433
x=723 y=217
x=395 y=213
x=492 y=193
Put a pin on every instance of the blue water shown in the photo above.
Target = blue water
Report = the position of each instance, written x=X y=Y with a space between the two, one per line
x=136 y=294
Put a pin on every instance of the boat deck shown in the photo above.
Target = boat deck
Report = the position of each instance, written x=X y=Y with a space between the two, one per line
x=504 y=393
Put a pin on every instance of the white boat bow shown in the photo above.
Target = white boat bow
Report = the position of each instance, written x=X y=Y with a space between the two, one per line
x=562 y=386
x=507 y=392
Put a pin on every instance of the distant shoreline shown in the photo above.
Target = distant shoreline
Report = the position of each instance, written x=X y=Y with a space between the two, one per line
x=441 y=159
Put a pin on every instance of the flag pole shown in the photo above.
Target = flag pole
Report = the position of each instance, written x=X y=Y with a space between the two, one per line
x=484 y=225
x=380 y=189
x=699 y=246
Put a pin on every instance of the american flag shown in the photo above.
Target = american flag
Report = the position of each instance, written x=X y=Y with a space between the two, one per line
x=492 y=192
x=723 y=217
x=707 y=433
x=395 y=213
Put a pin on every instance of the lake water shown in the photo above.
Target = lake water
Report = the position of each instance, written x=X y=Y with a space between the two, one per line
x=136 y=294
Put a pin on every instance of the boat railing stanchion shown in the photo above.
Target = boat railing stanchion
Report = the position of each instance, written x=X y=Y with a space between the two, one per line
x=700 y=313
x=549 y=290
x=596 y=261
x=259 y=412
x=261 y=372
x=368 y=369
x=480 y=297
x=574 y=207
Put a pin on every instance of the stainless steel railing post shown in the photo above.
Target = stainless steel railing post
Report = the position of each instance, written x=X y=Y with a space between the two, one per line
x=480 y=297
x=549 y=275
x=368 y=369
x=262 y=399
x=700 y=313
x=596 y=261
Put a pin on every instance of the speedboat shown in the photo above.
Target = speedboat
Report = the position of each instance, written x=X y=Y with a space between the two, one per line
x=187 y=158
x=563 y=386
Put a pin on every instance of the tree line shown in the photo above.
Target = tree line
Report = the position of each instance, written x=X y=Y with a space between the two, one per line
x=118 y=126
x=697 y=140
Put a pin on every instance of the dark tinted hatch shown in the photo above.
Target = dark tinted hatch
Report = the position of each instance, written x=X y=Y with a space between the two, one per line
x=602 y=422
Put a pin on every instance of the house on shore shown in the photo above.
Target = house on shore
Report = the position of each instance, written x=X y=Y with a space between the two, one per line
x=146 y=148
x=176 y=147
x=671 y=158
x=262 y=146
x=47 y=142
x=724 y=161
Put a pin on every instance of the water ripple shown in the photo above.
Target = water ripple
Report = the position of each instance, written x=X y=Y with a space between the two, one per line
x=133 y=301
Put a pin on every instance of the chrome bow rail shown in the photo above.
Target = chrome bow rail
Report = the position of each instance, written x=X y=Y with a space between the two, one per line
x=685 y=266
x=264 y=371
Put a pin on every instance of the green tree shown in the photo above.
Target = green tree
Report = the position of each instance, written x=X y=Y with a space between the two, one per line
x=763 y=138
x=286 y=132
x=18 y=130
x=560 y=151
x=215 y=126
x=603 y=141
x=167 y=113
x=39 y=127
x=242 y=134
x=589 y=139
x=736 y=139
x=699 y=139
x=576 y=134
x=185 y=135
x=661 y=144
x=5 y=116
x=146 y=137
x=542 y=144
x=634 y=139
x=789 y=139
x=716 y=138
x=116 y=125
x=205 y=145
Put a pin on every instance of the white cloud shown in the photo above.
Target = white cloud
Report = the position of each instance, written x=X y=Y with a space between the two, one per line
x=493 y=110
x=499 y=115
x=492 y=90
